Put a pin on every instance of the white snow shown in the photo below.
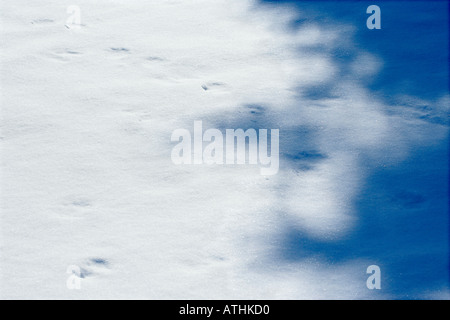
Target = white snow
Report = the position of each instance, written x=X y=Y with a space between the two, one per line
x=87 y=177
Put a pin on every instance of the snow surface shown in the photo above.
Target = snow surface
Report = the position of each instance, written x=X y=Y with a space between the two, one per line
x=87 y=177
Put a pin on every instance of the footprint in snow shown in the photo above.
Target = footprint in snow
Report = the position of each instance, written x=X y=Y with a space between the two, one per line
x=215 y=86
x=64 y=55
x=119 y=49
x=92 y=267
x=42 y=21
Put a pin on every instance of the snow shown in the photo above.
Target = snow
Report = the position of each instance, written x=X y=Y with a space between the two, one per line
x=88 y=181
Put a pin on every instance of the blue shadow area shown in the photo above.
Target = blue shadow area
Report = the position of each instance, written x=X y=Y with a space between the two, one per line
x=297 y=144
x=402 y=224
x=402 y=210
x=412 y=42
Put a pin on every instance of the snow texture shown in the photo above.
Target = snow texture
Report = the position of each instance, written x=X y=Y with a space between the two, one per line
x=87 y=179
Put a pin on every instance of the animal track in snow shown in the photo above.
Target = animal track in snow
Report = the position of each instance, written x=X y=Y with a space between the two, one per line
x=154 y=59
x=214 y=86
x=81 y=203
x=93 y=267
x=119 y=49
x=64 y=55
x=42 y=21
x=77 y=208
x=255 y=109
